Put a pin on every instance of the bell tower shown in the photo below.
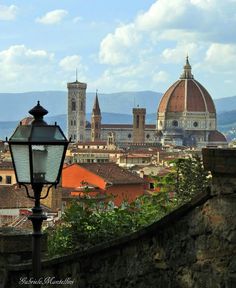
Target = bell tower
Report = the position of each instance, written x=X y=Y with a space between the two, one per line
x=139 y=115
x=76 y=117
x=96 y=121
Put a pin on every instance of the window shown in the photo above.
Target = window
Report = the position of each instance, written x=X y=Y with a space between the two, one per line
x=71 y=122
x=175 y=123
x=129 y=135
x=0 y=178
x=148 y=136
x=137 y=121
x=73 y=105
x=8 y=179
x=81 y=106
x=74 y=122
x=195 y=124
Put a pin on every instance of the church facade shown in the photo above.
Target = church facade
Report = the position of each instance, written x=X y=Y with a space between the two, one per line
x=186 y=116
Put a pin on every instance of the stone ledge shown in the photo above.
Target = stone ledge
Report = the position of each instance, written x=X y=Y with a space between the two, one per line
x=219 y=160
x=119 y=242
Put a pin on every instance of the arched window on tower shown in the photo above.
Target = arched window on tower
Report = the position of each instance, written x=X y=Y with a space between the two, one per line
x=81 y=106
x=73 y=105
x=137 y=121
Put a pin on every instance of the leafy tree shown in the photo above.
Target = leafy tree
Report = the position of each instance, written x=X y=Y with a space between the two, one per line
x=92 y=221
x=191 y=178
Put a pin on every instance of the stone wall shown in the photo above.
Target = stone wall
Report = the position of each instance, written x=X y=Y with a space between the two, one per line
x=193 y=247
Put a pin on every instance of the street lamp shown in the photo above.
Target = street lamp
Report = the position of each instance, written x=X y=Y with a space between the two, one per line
x=38 y=152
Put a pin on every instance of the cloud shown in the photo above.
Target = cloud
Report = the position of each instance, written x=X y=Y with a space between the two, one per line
x=73 y=63
x=117 y=48
x=37 y=69
x=160 y=77
x=8 y=13
x=175 y=55
x=52 y=17
x=221 y=56
x=25 y=67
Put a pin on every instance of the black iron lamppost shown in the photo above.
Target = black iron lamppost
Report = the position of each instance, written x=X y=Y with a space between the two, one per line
x=38 y=152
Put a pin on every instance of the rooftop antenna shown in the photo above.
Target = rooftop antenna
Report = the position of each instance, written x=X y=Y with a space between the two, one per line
x=134 y=101
x=76 y=75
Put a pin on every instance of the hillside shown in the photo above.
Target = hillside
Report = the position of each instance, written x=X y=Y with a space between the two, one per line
x=15 y=106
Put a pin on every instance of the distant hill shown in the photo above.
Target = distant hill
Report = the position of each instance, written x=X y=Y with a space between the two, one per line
x=15 y=106
x=225 y=104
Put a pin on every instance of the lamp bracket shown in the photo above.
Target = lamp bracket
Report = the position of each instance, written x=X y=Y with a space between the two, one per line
x=46 y=195
x=31 y=197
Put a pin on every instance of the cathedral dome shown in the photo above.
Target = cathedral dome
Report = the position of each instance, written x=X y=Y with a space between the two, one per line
x=186 y=95
x=216 y=136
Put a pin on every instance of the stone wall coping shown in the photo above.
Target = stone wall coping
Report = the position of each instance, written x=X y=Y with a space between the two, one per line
x=219 y=160
x=116 y=243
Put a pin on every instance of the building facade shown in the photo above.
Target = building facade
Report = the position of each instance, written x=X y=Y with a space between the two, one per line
x=76 y=116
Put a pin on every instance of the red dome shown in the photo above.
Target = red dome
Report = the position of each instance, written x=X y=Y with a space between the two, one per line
x=186 y=95
x=216 y=136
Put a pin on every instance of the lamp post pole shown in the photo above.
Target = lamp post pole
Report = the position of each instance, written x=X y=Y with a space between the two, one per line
x=37 y=218
x=38 y=152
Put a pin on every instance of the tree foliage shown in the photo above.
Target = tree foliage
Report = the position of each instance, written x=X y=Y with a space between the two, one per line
x=90 y=222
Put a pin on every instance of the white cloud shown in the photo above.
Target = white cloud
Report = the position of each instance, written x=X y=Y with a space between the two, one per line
x=37 y=69
x=160 y=77
x=25 y=67
x=118 y=47
x=175 y=55
x=73 y=63
x=52 y=17
x=221 y=56
x=162 y=14
x=19 y=55
x=8 y=13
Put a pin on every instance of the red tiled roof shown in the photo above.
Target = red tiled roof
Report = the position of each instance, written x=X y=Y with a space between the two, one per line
x=216 y=136
x=14 y=197
x=6 y=165
x=112 y=173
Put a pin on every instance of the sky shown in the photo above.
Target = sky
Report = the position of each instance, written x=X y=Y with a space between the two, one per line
x=117 y=45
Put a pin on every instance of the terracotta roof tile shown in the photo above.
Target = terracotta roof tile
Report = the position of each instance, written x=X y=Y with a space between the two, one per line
x=14 y=197
x=216 y=136
x=112 y=173
x=186 y=94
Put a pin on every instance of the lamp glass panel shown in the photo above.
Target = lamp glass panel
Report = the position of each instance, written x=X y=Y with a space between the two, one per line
x=21 y=134
x=54 y=159
x=47 y=134
x=21 y=160
x=46 y=162
x=39 y=158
